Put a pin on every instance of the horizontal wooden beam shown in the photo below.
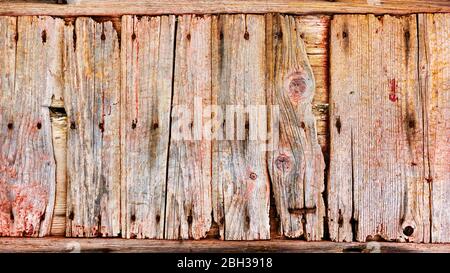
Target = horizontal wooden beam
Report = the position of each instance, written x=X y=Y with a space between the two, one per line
x=59 y=244
x=147 y=7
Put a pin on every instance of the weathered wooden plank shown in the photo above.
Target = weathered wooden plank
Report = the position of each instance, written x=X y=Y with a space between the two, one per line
x=147 y=64
x=434 y=46
x=92 y=96
x=110 y=245
x=29 y=47
x=241 y=184
x=188 y=212
x=377 y=186
x=160 y=7
x=296 y=163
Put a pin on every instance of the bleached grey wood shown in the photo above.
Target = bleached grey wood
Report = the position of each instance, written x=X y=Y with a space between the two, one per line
x=92 y=97
x=28 y=46
x=147 y=64
x=434 y=45
x=188 y=211
x=241 y=184
x=377 y=187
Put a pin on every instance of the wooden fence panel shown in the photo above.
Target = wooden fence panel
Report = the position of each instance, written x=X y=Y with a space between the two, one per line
x=434 y=82
x=92 y=97
x=29 y=47
x=188 y=212
x=147 y=68
x=296 y=164
x=377 y=186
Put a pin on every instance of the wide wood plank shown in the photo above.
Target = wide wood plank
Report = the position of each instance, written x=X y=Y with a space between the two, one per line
x=241 y=184
x=28 y=46
x=147 y=64
x=296 y=163
x=160 y=7
x=92 y=96
x=188 y=212
x=434 y=45
x=377 y=186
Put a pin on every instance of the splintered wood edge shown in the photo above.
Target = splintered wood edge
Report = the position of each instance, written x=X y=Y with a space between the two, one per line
x=146 y=7
x=58 y=244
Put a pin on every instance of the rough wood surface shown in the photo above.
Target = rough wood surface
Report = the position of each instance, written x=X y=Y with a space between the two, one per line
x=188 y=211
x=241 y=185
x=92 y=96
x=160 y=7
x=85 y=245
x=434 y=55
x=296 y=164
x=377 y=186
x=29 y=46
x=147 y=68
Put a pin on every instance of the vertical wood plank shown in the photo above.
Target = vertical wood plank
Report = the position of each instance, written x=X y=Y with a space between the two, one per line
x=92 y=97
x=296 y=163
x=28 y=81
x=188 y=212
x=434 y=45
x=147 y=68
x=377 y=188
x=241 y=184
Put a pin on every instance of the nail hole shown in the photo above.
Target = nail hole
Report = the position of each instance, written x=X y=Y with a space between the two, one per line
x=10 y=126
x=188 y=36
x=246 y=35
x=103 y=37
x=344 y=34
x=101 y=126
x=302 y=124
x=338 y=124
x=189 y=219
x=253 y=176
x=44 y=36
x=133 y=218
x=71 y=215
x=133 y=125
x=72 y=125
x=39 y=125
x=408 y=231
x=158 y=218
x=133 y=36
x=155 y=126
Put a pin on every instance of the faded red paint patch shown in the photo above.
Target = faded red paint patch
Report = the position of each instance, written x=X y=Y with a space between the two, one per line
x=393 y=90
x=5 y=210
x=28 y=208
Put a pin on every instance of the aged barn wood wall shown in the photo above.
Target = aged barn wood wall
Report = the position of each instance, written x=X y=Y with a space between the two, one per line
x=89 y=135
x=389 y=128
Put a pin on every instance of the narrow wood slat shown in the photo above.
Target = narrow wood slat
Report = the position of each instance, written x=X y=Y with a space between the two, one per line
x=29 y=46
x=241 y=184
x=377 y=186
x=434 y=82
x=296 y=164
x=188 y=212
x=92 y=96
x=147 y=64
x=161 y=7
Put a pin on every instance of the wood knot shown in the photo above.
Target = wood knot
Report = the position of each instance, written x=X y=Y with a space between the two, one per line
x=296 y=86
x=408 y=231
x=283 y=162
x=253 y=176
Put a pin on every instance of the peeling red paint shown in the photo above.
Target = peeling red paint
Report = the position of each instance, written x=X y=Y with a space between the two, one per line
x=393 y=90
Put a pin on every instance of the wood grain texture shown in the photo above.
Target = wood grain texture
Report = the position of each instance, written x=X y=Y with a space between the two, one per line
x=377 y=186
x=296 y=164
x=160 y=7
x=92 y=96
x=188 y=212
x=28 y=46
x=147 y=71
x=110 y=245
x=434 y=55
x=241 y=184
